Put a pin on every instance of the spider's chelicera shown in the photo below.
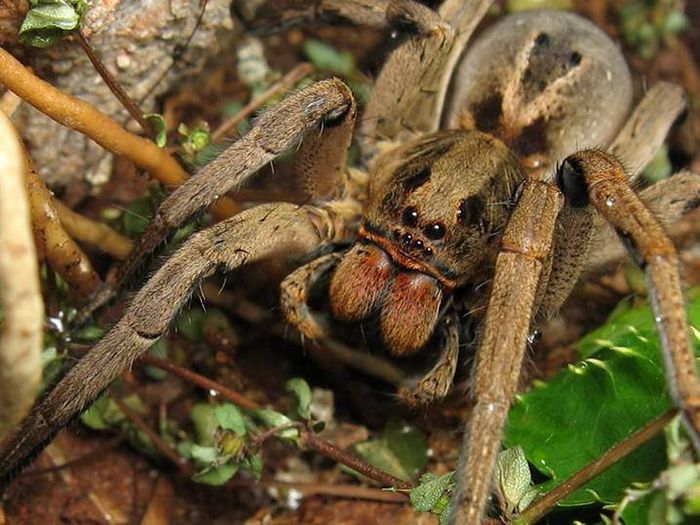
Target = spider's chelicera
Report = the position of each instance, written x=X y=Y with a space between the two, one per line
x=498 y=164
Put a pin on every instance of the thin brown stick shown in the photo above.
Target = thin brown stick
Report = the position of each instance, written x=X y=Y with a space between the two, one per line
x=64 y=256
x=91 y=232
x=20 y=295
x=90 y=121
x=542 y=505
x=341 y=491
x=339 y=455
x=152 y=435
x=199 y=380
x=126 y=101
x=283 y=85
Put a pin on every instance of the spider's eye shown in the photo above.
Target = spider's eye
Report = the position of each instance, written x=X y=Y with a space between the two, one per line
x=435 y=231
x=542 y=39
x=471 y=210
x=572 y=182
x=575 y=59
x=410 y=216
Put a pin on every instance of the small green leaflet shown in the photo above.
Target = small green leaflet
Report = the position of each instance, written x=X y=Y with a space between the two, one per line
x=49 y=20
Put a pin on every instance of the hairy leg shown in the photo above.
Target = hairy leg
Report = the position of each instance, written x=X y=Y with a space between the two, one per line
x=581 y=229
x=647 y=128
x=329 y=103
x=270 y=230
x=602 y=178
x=669 y=200
x=525 y=247
x=410 y=91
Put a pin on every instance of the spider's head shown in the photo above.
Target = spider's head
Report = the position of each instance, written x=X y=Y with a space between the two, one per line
x=436 y=208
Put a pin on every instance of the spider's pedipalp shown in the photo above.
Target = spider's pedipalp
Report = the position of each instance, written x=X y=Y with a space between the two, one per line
x=269 y=230
x=294 y=295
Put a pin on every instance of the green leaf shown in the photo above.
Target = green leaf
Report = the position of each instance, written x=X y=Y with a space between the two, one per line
x=230 y=418
x=401 y=450
x=49 y=20
x=157 y=349
x=205 y=423
x=592 y=405
x=302 y=398
x=513 y=475
x=137 y=216
x=513 y=6
x=92 y=417
x=204 y=454
x=271 y=419
x=190 y=324
x=216 y=475
x=430 y=491
x=326 y=57
x=159 y=128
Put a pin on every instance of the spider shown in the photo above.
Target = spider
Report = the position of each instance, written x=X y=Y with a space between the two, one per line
x=498 y=165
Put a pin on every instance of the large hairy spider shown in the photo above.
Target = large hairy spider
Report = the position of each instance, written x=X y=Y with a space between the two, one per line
x=498 y=165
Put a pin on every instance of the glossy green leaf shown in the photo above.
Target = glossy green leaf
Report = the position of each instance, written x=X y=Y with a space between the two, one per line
x=594 y=404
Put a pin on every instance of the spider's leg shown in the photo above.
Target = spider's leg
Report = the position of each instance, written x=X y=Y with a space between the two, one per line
x=327 y=103
x=669 y=200
x=525 y=248
x=602 y=178
x=647 y=128
x=437 y=382
x=582 y=241
x=410 y=90
x=295 y=294
x=367 y=13
x=270 y=230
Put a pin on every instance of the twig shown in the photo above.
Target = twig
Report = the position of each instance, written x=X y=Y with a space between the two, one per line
x=90 y=121
x=279 y=87
x=542 y=505
x=337 y=454
x=199 y=380
x=91 y=232
x=114 y=86
x=20 y=295
x=260 y=440
x=62 y=253
x=342 y=491
x=152 y=435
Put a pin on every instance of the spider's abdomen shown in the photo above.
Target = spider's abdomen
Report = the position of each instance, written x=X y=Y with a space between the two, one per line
x=546 y=83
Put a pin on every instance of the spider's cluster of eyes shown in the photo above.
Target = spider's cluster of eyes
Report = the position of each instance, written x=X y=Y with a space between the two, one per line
x=433 y=231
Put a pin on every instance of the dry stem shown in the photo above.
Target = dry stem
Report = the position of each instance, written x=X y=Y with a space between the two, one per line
x=20 y=296
x=62 y=253
x=86 y=119
x=91 y=232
